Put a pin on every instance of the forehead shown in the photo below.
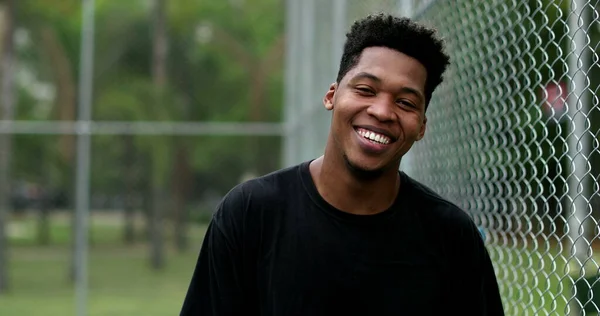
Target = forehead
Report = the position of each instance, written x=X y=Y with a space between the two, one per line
x=391 y=66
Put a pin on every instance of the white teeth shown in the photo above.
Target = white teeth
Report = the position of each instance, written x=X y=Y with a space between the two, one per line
x=374 y=137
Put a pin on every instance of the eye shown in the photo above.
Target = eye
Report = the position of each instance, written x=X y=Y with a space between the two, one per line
x=365 y=91
x=405 y=102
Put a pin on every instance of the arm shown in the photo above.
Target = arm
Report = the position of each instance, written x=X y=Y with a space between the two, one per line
x=217 y=284
x=490 y=300
x=480 y=294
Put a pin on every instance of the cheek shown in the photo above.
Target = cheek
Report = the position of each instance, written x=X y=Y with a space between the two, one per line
x=337 y=126
x=413 y=127
x=343 y=114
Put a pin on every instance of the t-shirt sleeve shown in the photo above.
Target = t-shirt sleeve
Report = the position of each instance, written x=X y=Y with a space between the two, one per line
x=477 y=291
x=491 y=302
x=217 y=285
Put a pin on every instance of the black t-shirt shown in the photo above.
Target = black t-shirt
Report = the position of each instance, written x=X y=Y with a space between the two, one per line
x=276 y=247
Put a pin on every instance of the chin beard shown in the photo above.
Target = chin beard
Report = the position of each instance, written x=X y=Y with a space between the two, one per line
x=361 y=173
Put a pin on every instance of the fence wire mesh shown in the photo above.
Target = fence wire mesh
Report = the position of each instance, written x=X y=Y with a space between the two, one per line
x=513 y=132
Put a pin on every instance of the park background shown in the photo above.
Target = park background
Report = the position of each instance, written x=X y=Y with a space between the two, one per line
x=123 y=123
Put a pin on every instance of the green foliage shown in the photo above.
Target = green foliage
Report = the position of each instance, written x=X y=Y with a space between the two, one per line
x=208 y=79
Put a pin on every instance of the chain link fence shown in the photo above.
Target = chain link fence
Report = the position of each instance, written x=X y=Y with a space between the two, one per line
x=513 y=132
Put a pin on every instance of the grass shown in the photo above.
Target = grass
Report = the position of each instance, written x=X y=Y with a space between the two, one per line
x=121 y=281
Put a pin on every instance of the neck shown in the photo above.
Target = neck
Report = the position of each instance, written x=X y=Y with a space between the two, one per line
x=349 y=192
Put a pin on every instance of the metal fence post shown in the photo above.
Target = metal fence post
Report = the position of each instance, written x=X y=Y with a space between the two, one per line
x=579 y=140
x=82 y=180
x=290 y=132
x=307 y=142
x=339 y=29
x=405 y=9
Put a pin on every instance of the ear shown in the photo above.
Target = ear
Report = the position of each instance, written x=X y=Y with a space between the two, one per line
x=328 y=99
x=423 y=128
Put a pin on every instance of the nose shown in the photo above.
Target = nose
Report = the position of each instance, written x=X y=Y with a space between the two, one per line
x=382 y=109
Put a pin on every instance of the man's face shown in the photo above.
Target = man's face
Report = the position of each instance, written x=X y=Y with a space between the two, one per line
x=378 y=109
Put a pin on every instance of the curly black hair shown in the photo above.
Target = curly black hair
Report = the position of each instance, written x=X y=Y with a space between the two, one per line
x=401 y=34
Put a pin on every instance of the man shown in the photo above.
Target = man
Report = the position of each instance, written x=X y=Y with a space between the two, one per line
x=347 y=233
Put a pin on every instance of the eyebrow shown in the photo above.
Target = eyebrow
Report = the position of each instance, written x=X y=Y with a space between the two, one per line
x=366 y=75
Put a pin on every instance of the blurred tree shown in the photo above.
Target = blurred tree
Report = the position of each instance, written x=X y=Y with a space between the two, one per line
x=7 y=22
x=223 y=61
x=159 y=76
x=181 y=183
x=54 y=27
x=125 y=92
x=66 y=99
x=207 y=81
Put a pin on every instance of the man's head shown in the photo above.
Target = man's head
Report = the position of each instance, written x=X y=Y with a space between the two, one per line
x=389 y=69
x=399 y=34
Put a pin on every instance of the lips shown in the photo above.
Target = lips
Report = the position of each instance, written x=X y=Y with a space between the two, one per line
x=371 y=142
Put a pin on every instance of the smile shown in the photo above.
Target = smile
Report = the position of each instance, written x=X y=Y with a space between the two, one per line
x=373 y=136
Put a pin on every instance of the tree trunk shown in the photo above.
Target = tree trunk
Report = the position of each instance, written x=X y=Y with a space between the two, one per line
x=43 y=229
x=157 y=257
x=159 y=49
x=257 y=108
x=147 y=202
x=66 y=100
x=259 y=84
x=159 y=76
x=66 y=97
x=129 y=190
x=7 y=100
x=181 y=184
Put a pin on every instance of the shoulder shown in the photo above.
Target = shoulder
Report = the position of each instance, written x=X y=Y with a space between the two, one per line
x=450 y=226
x=440 y=211
x=240 y=214
x=266 y=187
x=267 y=190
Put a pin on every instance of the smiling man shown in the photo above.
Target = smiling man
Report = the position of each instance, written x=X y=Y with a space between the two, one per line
x=347 y=233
